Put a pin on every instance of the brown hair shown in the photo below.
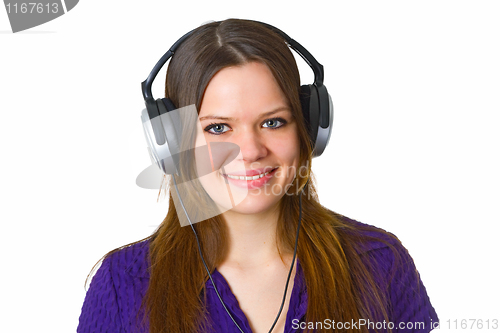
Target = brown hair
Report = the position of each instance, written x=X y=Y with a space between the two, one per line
x=340 y=282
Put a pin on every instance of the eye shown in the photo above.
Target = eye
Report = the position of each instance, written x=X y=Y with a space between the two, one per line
x=216 y=128
x=274 y=123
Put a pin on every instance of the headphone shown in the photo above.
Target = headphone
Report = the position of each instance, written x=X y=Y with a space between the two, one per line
x=163 y=134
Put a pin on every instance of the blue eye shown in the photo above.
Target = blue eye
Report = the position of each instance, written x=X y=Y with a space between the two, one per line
x=216 y=129
x=274 y=123
x=221 y=128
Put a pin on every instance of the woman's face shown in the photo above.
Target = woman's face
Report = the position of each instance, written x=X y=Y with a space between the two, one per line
x=244 y=105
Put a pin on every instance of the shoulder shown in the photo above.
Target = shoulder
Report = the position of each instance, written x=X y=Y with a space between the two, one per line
x=116 y=291
x=367 y=237
x=380 y=250
x=393 y=267
x=132 y=260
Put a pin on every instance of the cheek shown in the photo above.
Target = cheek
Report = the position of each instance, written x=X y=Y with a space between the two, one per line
x=200 y=136
x=287 y=147
x=287 y=150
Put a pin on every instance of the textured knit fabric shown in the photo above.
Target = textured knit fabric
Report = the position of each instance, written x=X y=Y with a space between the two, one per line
x=114 y=298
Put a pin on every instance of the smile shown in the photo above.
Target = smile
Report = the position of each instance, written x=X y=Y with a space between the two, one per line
x=248 y=178
x=252 y=179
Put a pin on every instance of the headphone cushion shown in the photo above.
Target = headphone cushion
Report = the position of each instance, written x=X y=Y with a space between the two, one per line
x=310 y=109
x=172 y=128
x=169 y=105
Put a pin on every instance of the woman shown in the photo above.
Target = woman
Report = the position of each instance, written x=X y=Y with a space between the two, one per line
x=346 y=275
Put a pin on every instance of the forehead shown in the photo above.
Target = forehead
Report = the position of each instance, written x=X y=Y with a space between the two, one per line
x=243 y=92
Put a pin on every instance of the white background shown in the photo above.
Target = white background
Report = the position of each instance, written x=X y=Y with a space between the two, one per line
x=414 y=150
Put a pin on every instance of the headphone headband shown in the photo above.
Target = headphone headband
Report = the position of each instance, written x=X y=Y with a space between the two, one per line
x=146 y=84
x=293 y=44
x=308 y=57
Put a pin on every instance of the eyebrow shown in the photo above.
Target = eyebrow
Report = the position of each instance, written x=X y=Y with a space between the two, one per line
x=267 y=114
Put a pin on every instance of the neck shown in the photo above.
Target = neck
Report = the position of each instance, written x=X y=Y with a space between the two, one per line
x=252 y=239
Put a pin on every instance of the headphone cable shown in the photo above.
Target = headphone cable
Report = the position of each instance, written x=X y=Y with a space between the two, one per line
x=293 y=262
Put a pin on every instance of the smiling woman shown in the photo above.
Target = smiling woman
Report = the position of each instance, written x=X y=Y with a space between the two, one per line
x=244 y=81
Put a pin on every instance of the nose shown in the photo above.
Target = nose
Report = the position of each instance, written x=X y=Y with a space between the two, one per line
x=252 y=145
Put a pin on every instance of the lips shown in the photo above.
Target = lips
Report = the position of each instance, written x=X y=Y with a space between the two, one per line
x=250 y=173
x=250 y=178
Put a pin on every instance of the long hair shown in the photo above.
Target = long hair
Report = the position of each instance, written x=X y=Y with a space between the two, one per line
x=340 y=283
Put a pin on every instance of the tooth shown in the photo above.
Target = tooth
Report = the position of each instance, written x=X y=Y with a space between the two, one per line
x=249 y=177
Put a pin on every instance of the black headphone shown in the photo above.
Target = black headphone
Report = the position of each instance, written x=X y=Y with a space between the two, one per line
x=163 y=133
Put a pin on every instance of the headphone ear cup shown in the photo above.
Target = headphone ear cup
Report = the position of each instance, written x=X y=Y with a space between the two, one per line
x=310 y=109
x=162 y=135
x=325 y=114
x=171 y=126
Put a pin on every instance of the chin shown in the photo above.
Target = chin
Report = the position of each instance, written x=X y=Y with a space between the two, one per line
x=258 y=201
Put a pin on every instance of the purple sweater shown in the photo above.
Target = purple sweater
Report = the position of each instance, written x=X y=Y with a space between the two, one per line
x=119 y=285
